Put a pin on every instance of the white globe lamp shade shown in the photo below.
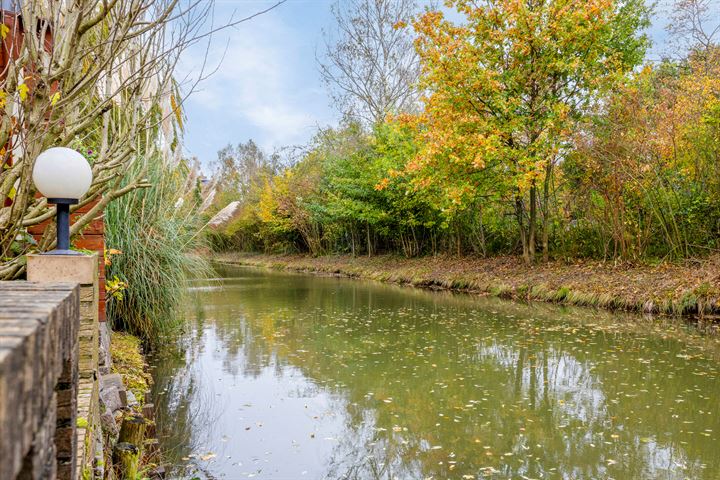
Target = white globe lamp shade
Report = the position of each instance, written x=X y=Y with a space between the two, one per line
x=62 y=172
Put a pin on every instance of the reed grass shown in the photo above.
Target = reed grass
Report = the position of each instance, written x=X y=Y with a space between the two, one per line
x=157 y=234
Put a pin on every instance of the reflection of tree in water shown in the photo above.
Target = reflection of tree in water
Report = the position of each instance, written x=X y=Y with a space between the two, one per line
x=366 y=454
x=180 y=401
x=441 y=385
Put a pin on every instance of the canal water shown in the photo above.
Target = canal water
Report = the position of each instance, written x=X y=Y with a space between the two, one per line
x=289 y=376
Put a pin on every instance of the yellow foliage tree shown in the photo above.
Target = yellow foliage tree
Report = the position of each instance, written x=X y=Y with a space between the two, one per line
x=506 y=86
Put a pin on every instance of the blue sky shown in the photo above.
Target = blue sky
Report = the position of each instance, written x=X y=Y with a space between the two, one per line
x=267 y=87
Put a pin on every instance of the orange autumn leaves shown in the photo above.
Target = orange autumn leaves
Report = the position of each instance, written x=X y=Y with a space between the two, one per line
x=505 y=86
x=651 y=163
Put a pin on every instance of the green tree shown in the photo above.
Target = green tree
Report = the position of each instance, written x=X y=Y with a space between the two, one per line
x=506 y=87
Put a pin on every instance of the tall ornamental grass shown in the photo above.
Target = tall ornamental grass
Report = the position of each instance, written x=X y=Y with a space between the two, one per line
x=156 y=230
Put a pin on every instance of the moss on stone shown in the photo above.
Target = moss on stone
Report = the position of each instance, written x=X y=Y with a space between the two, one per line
x=128 y=361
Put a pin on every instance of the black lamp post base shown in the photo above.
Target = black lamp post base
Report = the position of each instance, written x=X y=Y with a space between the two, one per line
x=63 y=225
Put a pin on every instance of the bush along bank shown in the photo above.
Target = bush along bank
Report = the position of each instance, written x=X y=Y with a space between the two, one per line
x=131 y=449
x=688 y=288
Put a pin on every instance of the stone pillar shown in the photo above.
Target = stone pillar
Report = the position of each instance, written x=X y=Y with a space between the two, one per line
x=77 y=398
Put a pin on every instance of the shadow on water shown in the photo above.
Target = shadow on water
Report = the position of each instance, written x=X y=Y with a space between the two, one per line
x=289 y=376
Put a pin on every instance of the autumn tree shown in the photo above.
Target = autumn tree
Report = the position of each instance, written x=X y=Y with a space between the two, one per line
x=647 y=170
x=507 y=85
x=359 y=203
x=238 y=168
x=369 y=65
x=286 y=220
x=97 y=76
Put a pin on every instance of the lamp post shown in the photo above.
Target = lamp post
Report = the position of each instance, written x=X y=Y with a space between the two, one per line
x=63 y=176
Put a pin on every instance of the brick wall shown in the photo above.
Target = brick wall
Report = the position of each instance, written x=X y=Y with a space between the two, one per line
x=39 y=327
x=91 y=238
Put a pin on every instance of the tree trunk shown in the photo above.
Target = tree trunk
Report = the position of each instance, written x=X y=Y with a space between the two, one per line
x=369 y=242
x=532 y=221
x=481 y=233
x=126 y=458
x=152 y=448
x=520 y=214
x=546 y=212
x=545 y=241
x=352 y=241
x=458 y=242
x=148 y=411
x=133 y=430
x=416 y=243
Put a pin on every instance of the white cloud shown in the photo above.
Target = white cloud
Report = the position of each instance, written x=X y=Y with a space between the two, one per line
x=266 y=87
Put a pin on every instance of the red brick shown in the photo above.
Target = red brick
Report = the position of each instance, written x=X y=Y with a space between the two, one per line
x=90 y=242
x=86 y=208
x=95 y=227
x=38 y=229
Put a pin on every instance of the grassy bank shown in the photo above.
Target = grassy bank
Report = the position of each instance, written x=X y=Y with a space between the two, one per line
x=669 y=288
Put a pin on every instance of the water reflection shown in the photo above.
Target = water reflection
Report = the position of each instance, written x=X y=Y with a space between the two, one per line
x=288 y=376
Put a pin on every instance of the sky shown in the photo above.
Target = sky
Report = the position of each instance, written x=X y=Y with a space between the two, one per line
x=267 y=86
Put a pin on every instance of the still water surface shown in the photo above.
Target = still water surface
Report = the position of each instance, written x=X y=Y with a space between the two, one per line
x=285 y=376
